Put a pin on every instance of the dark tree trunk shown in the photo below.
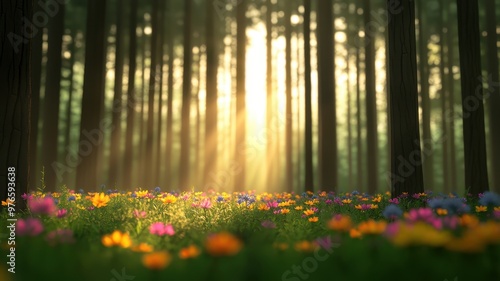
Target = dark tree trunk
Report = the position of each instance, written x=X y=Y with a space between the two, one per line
x=270 y=160
x=476 y=173
x=116 y=132
x=239 y=153
x=159 y=76
x=328 y=167
x=15 y=100
x=494 y=97
x=141 y=151
x=359 y=136
x=196 y=93
x=91 y=128
x=170 y=96
x=309 y=178
x=428 y=166
x=53 y=173
x=406 y=171
x=288 y=108
x=186 y=98
x=371 y=101
x=67 y=138
x=131 y=98
x=211 y=115
x=451 y=101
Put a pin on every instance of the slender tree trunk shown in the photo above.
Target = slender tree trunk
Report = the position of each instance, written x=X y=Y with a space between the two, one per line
x=270 y=160
x=359 y=136
x=196 y=98
x=476 y=173
x=239 y=154
x=141 y=154
x=53 y=174
x=159 y=76
x=406 y=172
x=93 y=86
x=211 y=133
x=309 y=178
x=328 y=167
x=170 y=97
x=186 y=98
x=428 y=163
x=288 y=109
x=67 y=138
x=494 y=97
x=349 y=122
x=15 y=100
x=451 y=102
x=131 y=98
x=115 y=151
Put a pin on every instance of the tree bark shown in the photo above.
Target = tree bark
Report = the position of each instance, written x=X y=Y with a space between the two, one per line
x=288 y=108
x=309 y=178
x=170 y=97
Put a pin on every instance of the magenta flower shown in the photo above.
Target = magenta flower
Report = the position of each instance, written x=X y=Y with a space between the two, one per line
x=450 y=222
x=205 y=204
x=139 y=214
x=391 y=229
x=394 y=201
x=61 y=213
x=423 y=214
x=42 y=206
x=272 y=204
x=27 y=196
x=268 y=224
x=29 y=227
x=496 y=215
x=60 y=236
x=328 y=201
x=161 y=229
x=277 y=212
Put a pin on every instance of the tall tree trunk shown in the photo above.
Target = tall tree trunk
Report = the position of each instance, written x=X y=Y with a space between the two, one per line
x=211 y=115
x=53 y=174
x=371 y=102
x=196 y=98
x=288 y=109
x=359 y=136
x=15 y=100
x=428 y=166
x=141 y=154
x=328 y=167
x=270 y=151
x=406 y=171
x=349 y=122
x=451 y=101
x=476 y=173
x=186 y=97
x=91 y=131
x=36 y=84
x=67 y=138
x=309 y=178
x=115 y=151
x=170 y=97
x=239 y=154
x=159 y=76
x=131 y=98
x=147 y=177
x=494 y=97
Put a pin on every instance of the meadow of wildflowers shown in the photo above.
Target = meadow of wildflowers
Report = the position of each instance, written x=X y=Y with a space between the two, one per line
x=157 y=235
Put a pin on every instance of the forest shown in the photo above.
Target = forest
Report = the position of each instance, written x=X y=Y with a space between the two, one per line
x=363 y=111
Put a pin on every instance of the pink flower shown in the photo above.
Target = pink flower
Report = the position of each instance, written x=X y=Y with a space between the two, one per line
x=161 y=229
x=139 y=214
x=62 y=236
x=328 y=201
x=496 y=214
x=29 y=227
x=394 y=201
x=272 y=204
x=391 y=229
x=423 y=214
x=61 y=213
x=205 y=204
x=27 y=196
x=268 y=224
x=43 y=206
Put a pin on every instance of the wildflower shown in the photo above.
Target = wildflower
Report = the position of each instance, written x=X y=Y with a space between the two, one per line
x=100 y=200
x=285 y=211
x=71 y=198
x=223 y=244
x=7 y=202
x=143 y=248
x=205 y=204
x=372 y=227
x=392 y=212
x=272 y=204
x=305 y=246
x=299 y=208
x=157 y=260
x=268 y=224
x=62 y=236
x=263 y=207
x=280 y=246
x=43 y=206
x=420 y=234
x=328 y=201
x=373 y=206
x=26 y=196
x=161 y=229
x=29 y=227
x=117 y=238
x=394 y=201
x=189 y=252
x=61 y=213
x=169 y=199
x=157 y=189
x=139 y=214
x=308 y=212
x=441 y=212
x=354 y=233
x=346 y=201
x=377 y=199
x=363 y=207
x=141 y=193
x=313 y=219
x=480 y=209
x=490 y=199
x=311 y=202
x=340 y=223
x=469 y=221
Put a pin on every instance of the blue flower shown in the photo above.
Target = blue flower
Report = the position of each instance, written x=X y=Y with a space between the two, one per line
x=157 y=189
x=392 y=211
x=71 y=198
x=81 y=191
x=134 y=195
x=355 y=192
x=220 y=198
x=490 y=199
x=109 y=191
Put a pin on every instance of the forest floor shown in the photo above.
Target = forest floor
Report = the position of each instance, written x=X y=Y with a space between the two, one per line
x=156 y=235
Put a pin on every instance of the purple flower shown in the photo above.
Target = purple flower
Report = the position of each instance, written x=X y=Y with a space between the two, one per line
x=328 y=201
x=394 y=201
x=161 y=229
x=268 y=224
x=43 y=206
x=27 y=196
x=29 y=227
x=61 y=213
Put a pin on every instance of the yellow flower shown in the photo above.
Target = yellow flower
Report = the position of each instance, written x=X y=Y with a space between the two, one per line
x=358 y=207
x=346 y=201
x=117 y=238
x=420 y=234
x=299 y=208
x=285 y=211
x=143 y=247
x=373 y=206
x=284 y=204
x=263 y=207
x=169 y=199
x=313 y=219
x=6 y=202
x=157 y=260
x=141 y=193
x=323 y=194
x=308 y=212
x=469 y=220
x=189 y=252
x=480 y=209
x=100 y=200
x=372 y=227
x=377 y=199
x=496 y=209
x=223 y=244
x=340 y=223
x=364 y=199
x=441 y=212
x=311 y=202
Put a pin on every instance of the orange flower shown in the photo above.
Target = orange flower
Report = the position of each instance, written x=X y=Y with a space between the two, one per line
x=100 y=200
x=469 y=220
x=377 y=199
x=157 y=260
x=189 y=252
x=298 y=208
x=285 y=211
x=308 y=212
x=441 y=212
x=496 y=209
x=373 y=206
x=7 y=202
x=305 y=246
x=313 y=219
x=223 y=244
x=117 y=238
x=480 y=209
x=354 y=233
x=169 y=199
x=281 y=246
x=346 y=201
x=143 y=247
x=263 y=207
x=340 y=223
x=372 y=227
